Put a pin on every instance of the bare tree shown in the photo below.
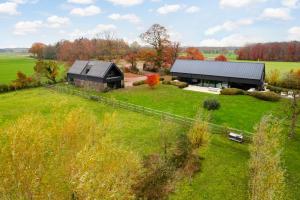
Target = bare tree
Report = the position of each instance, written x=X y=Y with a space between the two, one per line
x=157 y=36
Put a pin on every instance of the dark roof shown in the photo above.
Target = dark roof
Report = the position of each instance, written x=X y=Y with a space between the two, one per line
x=96 y=68
x=243 y=70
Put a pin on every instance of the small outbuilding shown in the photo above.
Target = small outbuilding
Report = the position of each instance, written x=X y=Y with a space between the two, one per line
x=95 y=75
x=243 y=75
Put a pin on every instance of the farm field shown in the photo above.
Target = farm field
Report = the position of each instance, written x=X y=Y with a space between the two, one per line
x=140 y=133
x=283 y=67
x=10 y=64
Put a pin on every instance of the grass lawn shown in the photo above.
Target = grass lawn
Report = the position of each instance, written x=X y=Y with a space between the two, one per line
x=11 y=64
x=224 y=171
x=241 y=112
x=135 y=131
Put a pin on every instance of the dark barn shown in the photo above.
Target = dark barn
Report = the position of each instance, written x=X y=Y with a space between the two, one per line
x=243 y=75
x=96 y=75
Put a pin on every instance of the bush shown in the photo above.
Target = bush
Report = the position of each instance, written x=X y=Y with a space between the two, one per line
x=137 y=83
x=211 y=104
x=179 y=84
x=266 y=96
x=232 y=91
x=4 y=88
x=275 y=89
x=165 y=82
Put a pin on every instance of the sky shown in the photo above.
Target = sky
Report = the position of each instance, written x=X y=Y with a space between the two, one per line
x=191 y=22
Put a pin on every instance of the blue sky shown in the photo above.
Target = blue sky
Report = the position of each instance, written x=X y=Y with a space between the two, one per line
x=191 y=22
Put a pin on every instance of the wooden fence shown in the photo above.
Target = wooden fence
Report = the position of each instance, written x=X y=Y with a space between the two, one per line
x=186 y=121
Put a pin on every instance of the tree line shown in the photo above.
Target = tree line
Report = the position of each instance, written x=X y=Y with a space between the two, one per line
x=159 y=53
x=275 y=51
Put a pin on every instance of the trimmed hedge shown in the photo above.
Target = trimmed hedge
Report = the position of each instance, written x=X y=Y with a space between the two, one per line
x=232 y=91
x=137 y=83
x=266 y=96
x=179 y=84
x=276 y=89
x=211 y=104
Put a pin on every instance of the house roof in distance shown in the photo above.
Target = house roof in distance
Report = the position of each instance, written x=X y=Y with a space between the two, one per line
x=245 y=70
x=90 y=68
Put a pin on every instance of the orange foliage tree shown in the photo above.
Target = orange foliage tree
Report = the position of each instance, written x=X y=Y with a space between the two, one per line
x=22 y=80
x=153 y=80
x=193 y=53
x=221 y=58
x=37 y=49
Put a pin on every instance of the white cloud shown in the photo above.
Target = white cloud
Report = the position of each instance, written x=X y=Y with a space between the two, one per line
x=57 y=22
x=87 y=11
x=235 y=40
x=238 y=3
x=9 y=8
x=294 y=33
x=228 y=26
x=128 y=17
x=169 y=8
x=100 y=28
x=192 y=9
x=81 y=1
x=25 y=27
x=126 y=2
x=276 y=13
x=290 y=3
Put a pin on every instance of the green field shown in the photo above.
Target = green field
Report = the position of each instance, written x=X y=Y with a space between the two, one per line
x=224 y=173
x=10 y=64
x=283 y=67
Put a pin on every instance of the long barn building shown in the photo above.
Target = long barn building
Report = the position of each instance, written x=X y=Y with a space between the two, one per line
x=242 y=75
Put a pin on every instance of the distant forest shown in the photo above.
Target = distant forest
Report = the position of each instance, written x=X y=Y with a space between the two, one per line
x=275 y=51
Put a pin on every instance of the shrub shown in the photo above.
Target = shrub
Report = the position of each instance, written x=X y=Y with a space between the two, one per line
x=275 y=89
x=211 y=104
x=179 y=84
x=199 y=134
x=266 y=96
x=4 y=88
x=152 y=80
x=165 y=82
x=137 y=83
x=232 y=91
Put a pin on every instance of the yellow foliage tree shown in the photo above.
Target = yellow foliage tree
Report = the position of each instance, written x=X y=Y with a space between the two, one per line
x=266 y=171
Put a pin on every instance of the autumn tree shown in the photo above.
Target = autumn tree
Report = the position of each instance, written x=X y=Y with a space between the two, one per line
x=132 y=55
x=192 y=54
x=152 y=80
x=157 y=36
x=171 y=53
x=275 y=51
x=22 y=80
x=47 y=69
x=221 y=58
x=265 y=165
x=37 y=50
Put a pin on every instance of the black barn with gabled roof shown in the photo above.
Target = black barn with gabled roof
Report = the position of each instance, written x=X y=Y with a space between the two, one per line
x=97 y=75
x=242 y=75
